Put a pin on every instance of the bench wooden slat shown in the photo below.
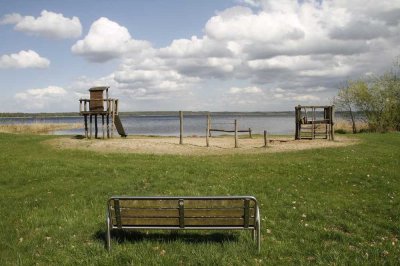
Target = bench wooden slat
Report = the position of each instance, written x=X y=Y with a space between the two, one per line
x=189 y=203
x=168 y=203
x=140 y=221
x=231 y=212
x=190 y=213
x=216 y=222
x=215 y=203
x=147 y=212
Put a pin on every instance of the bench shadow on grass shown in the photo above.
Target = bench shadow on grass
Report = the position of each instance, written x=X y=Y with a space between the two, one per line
x=122 y=236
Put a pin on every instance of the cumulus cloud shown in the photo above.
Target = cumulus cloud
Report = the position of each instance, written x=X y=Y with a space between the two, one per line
x=107 y=40
x=48 y=24
x=303 y=48
x=159 y=79
x=24 y=59
x=42 y=97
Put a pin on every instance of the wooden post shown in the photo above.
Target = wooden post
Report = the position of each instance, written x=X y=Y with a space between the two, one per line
x=208 y=131
x=102 y=123
x=236 y=134
x=250 y=133
x=90 y=126
x=265 y=139
x=313 y=124
x=180 y=127
x=297 y=122
x=332 y=123
x=95 y=127
x=86 y=126
x=326 y=120
x=108 y=125
x=112 y=117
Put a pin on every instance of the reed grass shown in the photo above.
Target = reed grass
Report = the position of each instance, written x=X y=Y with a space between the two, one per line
x=345 y=126
x=37 y=128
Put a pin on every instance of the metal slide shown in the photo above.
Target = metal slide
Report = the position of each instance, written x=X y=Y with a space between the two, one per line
x=118 y=125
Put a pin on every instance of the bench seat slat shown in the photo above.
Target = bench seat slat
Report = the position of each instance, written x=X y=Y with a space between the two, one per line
x=215 y=222
x=163 y=203
x=173 y=203
x=236 y=212
x=189 y=213
x=215 y=203
x=140 y=221
x=148 y=212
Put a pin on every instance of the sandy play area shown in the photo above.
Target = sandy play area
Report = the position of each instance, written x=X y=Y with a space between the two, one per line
x=194 y=145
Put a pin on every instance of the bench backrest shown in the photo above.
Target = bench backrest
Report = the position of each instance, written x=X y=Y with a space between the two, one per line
x=183 y=212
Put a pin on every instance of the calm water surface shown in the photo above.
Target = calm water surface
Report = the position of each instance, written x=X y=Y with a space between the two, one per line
x=168 y=125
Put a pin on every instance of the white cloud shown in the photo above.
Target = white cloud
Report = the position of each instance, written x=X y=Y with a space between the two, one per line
x=40 y=98
x=303 y=49
x=24 y=59
x=305 y=98
x=254 y=3
x=264 y=26
x=12 y=18
x=157 y=80
x=107 y=40
x=48 y=24
x=246 y=90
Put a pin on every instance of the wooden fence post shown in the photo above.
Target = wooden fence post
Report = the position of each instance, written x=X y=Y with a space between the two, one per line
x=332 y=122
x=236 y=134
x=181 y=127
x=251 y=136
x=265 y=139
x=112 y=117
x=208 y=131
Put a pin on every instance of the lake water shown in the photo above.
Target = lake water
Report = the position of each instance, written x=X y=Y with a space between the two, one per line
x=168 y=125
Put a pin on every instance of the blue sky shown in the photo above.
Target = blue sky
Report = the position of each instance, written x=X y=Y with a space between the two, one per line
x=231 y=55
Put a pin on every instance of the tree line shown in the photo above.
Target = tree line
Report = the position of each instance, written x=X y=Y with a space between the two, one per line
x=376 y=97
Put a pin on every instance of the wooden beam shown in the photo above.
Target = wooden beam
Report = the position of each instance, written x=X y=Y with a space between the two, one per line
x=208 y=130
x=180 y=127
x=236 y=134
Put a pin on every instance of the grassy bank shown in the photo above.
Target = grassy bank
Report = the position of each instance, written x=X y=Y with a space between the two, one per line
x=37 y=128
x=326 y=206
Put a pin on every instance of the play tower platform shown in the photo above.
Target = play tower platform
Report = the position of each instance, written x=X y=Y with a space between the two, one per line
x=100 y=105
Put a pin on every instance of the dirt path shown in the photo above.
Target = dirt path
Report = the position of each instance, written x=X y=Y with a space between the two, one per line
x=194 y=145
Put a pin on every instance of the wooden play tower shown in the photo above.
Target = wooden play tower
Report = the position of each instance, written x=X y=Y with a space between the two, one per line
x=100 y=105
x=314 y=122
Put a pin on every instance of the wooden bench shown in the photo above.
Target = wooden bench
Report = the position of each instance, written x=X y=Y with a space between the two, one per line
x=177 y=213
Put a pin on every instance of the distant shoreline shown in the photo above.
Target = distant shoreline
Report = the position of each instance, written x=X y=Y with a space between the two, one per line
x=159 y=113
x=144 y=113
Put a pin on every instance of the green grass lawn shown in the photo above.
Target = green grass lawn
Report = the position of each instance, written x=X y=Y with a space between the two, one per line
x=326 y=206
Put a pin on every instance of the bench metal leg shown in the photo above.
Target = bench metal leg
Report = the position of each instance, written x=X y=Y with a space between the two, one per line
x=108 y=234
